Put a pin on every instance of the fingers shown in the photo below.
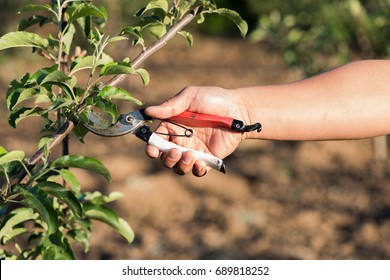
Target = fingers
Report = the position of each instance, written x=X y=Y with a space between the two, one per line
x=180 y=163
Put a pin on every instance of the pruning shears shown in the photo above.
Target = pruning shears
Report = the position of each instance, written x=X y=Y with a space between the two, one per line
x=136 y=122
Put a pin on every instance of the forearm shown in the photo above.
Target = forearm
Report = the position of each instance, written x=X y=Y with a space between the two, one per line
x=351 y=101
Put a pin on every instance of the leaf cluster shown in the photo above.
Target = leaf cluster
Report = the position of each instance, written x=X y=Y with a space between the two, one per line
x=58 y=216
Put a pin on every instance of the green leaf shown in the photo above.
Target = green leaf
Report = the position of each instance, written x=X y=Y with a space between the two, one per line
x=86 y=10
x=107 y=106
x=134 y=31
x=43 y=206
x=59 y=103
x=26 y=23
x=80 y=236
x=125 y=230
x=68 y=38
x=117 y=69
x=97 y=198
x=116 y=39
x=12 y=156
x=188 y=37
x=156 y=4
x=80 y=130
x=20 y=95
x=82 y=162
x=109 y=217
x=71 y=179
x=2 y=150
x=41 y=74
x=57 y=247
x=144 y=74
x=60 y=79
x=158 y=29
x=55 y=77
x=87 y=63
x=22 y=39
x=23 y=112
x=85 y=24
x=44 y=143
x=9 y=228
x=63 y=194
x=110 y=92
x=35 y=7
x=235 y=18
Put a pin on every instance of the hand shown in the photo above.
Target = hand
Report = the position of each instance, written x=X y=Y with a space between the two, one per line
x=216 y=141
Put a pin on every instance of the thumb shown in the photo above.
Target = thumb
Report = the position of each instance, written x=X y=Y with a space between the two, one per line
x=172 y=107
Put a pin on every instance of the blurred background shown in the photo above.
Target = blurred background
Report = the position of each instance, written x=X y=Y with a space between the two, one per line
x=279 y=199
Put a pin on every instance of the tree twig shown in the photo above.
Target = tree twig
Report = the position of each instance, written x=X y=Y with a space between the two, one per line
x=155 y=46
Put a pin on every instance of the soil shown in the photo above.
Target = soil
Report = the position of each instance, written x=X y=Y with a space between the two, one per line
x=278 y=200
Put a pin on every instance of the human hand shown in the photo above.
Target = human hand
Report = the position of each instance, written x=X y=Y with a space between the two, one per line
x=216 y=141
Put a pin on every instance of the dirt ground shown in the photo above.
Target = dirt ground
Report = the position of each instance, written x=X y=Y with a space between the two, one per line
x=278 y=200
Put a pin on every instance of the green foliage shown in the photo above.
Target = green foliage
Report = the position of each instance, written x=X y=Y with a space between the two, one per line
x=315 y=35
x=45 y=209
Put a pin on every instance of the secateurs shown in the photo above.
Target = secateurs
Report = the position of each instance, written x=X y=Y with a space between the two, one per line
x=136 y=122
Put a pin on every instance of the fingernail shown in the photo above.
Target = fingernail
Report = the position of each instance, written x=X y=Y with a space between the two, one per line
x=173 y=156
x=187 y=159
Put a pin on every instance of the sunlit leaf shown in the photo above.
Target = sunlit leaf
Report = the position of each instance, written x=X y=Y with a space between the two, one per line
x=144 y=74
x=11 y=156
x=60 y=79
x=18 y=96
x=22 y=39
x=55 y=76
x=98 y=198
x=35 y=8
x=156 y=4
x=109 y=217
x=2 y=150
x=158 y=29
x=41 y=74
x=86 y=10
x=235 y=18
x=82 y=162
x=87 y=63
x=117 y=69
x=71 y=179
x=125 y=230
x=110 y=92
x=188 y=36
x=23 y=112
x=116 y=39
x=68 y=38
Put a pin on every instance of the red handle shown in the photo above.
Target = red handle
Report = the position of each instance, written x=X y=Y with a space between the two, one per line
x=202 y=120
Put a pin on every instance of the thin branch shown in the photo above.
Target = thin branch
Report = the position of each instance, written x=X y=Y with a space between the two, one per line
x=155 y=46
x=60 y=135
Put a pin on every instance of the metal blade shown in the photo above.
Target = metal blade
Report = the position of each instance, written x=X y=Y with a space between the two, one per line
x=127 y=123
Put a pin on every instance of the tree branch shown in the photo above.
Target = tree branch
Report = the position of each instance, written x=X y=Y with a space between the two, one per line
x=156 y=46
x=69 y=125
